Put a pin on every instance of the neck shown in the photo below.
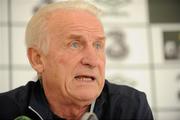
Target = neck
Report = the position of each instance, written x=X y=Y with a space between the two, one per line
x=68 y=111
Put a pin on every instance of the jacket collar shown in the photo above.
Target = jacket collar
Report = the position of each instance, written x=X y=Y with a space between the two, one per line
x=101 y=101
x=38 y=102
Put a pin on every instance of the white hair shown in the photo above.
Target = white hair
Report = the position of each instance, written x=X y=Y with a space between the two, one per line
x=36 y=28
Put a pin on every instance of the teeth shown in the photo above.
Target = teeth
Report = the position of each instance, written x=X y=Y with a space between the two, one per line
x=82 y=78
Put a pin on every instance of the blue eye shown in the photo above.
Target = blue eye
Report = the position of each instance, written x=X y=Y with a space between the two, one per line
x=74 y=44
x=98 y=45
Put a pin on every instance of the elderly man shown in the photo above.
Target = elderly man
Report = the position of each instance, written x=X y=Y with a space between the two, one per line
x=66 y=46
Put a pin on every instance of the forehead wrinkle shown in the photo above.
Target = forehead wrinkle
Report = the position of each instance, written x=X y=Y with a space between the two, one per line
x=72 y=24
x=64 y=16
x=62 y=21
x=69 y=16
x=79 y=30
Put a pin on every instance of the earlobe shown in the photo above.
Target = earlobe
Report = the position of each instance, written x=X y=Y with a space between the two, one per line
x=36 y=59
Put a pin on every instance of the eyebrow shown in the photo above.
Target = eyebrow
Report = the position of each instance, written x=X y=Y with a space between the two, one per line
x=80 y=37
x=75 y=36
x=101 y=38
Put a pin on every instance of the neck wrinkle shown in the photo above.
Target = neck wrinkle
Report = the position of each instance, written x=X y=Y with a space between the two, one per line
x=70 y=113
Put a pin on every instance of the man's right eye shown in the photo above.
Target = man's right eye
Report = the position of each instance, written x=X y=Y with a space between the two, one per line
x=75 y=44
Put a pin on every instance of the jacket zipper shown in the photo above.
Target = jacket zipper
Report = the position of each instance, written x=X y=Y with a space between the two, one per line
x=35 y=112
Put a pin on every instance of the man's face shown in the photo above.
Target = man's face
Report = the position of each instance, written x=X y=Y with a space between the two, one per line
x=75 y=62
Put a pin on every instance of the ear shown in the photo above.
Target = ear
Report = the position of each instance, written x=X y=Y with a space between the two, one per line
x=36 y=59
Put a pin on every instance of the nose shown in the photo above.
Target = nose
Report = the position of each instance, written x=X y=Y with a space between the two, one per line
x=90 y=58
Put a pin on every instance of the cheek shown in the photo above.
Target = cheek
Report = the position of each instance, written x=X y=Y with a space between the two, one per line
x=102 y=57
x=55 y=64
x=65 y=60
x=102 y=63
x=102 y=70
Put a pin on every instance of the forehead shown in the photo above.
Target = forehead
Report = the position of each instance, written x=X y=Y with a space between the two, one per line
x=67 y=18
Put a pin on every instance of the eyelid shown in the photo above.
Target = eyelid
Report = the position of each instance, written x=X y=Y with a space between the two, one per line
x=101 y=43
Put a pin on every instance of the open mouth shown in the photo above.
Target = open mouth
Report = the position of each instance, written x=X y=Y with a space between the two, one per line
x=85 y=78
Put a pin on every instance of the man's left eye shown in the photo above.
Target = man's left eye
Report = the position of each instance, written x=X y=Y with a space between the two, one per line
x=98 y=45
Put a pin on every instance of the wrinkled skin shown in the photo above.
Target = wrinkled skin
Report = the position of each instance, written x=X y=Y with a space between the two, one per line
x=74 y=67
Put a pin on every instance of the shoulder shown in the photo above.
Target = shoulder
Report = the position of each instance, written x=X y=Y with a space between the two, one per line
x=14 y=101
x=124 y=96
x=122 y=90
x=126 y=102
x=20 y=93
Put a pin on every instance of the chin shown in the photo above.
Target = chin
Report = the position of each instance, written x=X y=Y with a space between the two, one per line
x=87 y=95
